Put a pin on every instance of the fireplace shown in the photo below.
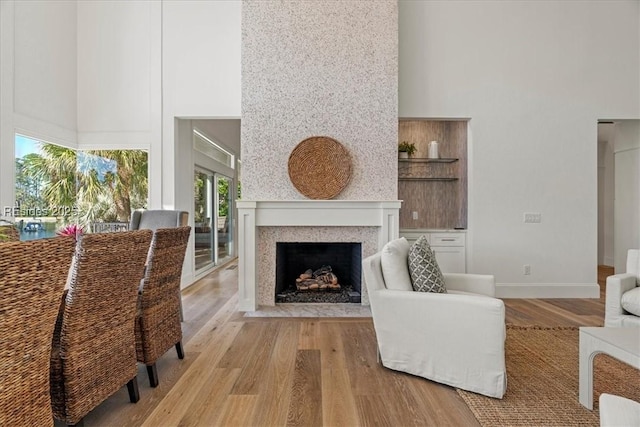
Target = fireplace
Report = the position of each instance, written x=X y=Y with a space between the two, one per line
x=264 y=224
x=293 y=259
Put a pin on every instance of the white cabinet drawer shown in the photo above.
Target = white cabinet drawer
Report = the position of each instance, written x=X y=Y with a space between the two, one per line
x=446 y=239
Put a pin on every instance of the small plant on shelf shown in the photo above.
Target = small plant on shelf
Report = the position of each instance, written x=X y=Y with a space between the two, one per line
x=406 y=147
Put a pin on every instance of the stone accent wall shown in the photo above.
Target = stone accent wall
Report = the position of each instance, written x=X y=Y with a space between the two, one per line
x=312 y=68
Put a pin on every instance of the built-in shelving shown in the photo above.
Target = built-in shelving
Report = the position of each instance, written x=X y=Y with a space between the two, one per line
x=433 y=191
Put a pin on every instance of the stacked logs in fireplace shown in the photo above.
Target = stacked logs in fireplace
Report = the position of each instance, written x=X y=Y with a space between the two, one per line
x=322 y=279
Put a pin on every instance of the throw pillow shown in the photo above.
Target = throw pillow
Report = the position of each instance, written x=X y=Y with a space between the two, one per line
x=395 y=265
x=423 y=268
x=630 y=301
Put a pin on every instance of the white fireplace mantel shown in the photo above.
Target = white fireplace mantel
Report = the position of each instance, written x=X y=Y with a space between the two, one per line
x=304 y=213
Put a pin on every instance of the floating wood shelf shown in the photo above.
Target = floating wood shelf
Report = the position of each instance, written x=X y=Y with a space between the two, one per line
x=427 y=179
x=426 y=160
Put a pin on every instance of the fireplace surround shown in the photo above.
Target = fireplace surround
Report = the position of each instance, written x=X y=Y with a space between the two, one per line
x=262 y=224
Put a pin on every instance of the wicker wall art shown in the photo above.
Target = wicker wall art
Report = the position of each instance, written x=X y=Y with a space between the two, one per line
x=319 y=167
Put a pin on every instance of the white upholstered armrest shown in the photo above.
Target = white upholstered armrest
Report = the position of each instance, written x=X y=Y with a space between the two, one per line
x=483 y=284
x=450 y=309
x=616 y=286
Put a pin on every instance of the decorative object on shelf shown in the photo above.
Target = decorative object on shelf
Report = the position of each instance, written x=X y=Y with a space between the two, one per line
x=320 y=167
x=406 y=149
x=433 y=150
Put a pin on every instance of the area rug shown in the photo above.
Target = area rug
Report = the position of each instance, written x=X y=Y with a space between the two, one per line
x=542 y=381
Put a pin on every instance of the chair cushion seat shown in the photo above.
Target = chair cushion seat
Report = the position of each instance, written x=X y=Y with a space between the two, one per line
x=631 y=301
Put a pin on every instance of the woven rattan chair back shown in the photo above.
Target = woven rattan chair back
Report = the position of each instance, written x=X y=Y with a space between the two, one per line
x=94 y=343
x=32 y=278
x=158 y=323
x=9 y=233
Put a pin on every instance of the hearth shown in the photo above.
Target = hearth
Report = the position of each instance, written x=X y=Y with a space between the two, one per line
x=318 y=272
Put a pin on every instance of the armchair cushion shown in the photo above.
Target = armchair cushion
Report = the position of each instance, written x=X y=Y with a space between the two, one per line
x=423 y=268
x=631 y=301
x=395 y=268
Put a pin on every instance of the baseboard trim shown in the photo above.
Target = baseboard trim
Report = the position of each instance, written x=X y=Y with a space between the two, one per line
x=547 y=290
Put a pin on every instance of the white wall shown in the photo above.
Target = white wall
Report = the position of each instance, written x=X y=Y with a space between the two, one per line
x=606 y=192
x=200 y=79
x=119 y=80
x=37 y=78
x=627 y=190
x=534 y=77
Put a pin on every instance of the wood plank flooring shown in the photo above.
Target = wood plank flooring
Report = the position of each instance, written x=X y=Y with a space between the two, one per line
x=242 y=371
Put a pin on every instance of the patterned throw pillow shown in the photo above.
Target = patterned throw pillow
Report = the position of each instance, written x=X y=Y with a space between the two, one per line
x=423 y=268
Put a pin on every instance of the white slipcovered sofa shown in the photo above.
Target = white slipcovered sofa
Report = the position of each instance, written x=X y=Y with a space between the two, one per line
x=455 y=338
x=622 y=305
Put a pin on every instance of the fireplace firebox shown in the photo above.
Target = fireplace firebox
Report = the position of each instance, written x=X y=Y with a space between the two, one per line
x=295 y=258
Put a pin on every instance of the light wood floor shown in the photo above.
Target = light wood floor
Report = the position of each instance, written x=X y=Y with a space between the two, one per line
x=303 y=371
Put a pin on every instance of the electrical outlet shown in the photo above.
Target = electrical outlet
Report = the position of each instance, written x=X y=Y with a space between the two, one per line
x=532 y=217
x=526 y=269
x=414 y=214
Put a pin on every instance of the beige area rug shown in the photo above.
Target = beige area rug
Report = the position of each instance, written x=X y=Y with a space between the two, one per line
x=542 y=385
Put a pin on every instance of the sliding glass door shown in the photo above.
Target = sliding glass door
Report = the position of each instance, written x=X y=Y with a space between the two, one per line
x=213 y=211
x=224 y=233
x=203 y=216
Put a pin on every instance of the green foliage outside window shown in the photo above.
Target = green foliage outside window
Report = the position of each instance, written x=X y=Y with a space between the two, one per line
x=98 y=185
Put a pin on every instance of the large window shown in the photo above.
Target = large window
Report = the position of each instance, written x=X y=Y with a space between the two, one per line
x=57 y=186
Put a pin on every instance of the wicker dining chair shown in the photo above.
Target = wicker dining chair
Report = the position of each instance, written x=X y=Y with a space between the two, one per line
x=158 y=320
x=32 y=278
x=94 y=353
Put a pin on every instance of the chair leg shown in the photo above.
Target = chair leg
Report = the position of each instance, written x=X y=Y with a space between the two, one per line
x=180 y=350
x=132 y=387
x=153 y=375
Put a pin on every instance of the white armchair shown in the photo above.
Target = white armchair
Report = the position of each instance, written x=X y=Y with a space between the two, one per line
x=456 y=338
x=622 y=305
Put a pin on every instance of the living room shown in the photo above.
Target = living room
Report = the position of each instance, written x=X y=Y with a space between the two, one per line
x=532 y=80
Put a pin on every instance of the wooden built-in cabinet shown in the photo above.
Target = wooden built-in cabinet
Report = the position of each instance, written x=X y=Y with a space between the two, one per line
x=433 y=191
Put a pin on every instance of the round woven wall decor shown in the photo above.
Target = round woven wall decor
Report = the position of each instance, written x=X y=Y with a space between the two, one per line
x=320 y=167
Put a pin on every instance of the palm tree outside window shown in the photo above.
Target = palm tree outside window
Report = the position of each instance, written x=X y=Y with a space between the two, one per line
x=57 y=186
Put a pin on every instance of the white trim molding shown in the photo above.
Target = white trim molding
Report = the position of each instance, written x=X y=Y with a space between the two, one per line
x=304 y=213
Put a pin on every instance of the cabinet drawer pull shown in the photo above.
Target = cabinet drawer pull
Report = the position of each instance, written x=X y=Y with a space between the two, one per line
x=448 y=240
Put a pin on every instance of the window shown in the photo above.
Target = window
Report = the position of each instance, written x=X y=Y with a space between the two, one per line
x=208 y=147
x=56 y=186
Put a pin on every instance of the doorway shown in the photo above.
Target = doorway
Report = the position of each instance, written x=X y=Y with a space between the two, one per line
x=618 y=191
